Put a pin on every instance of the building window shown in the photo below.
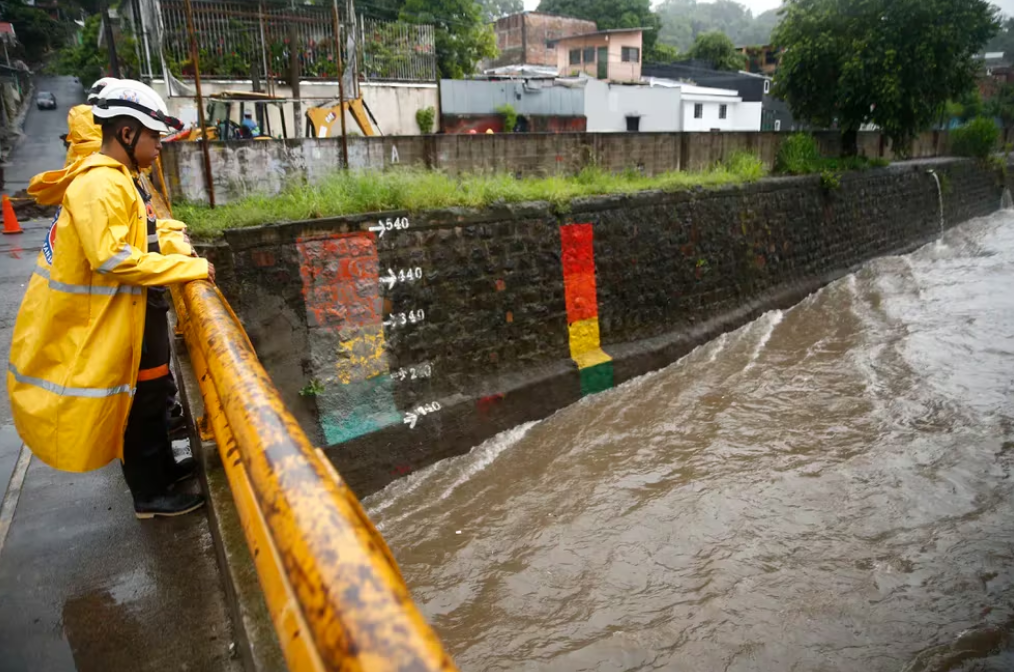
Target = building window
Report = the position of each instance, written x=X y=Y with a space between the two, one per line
x=575 y=57
x=633 y=124
x=589 y=55
x=723 y=111
x=698 y=111
x=630 y=55
x=767 y=86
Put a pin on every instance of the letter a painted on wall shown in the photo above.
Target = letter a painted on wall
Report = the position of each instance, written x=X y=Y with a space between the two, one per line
x=578 y=254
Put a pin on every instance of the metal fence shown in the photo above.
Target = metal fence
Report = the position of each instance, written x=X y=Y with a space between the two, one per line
x=397 y=51
x=236 y=40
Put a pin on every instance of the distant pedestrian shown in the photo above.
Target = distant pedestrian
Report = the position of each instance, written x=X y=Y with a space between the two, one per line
x=88 y=373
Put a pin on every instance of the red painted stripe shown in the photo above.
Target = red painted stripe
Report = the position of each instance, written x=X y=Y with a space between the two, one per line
x=578 y=252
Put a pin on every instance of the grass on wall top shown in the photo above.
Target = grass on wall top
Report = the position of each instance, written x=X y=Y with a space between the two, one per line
x=415 y=190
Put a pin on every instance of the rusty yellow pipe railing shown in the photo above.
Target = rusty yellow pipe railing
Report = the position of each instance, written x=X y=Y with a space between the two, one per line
x=325 y=570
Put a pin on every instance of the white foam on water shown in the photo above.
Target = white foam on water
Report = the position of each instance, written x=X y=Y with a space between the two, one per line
x=718 y=345
x=486 y=453
x=467 y=466
x=772 y=320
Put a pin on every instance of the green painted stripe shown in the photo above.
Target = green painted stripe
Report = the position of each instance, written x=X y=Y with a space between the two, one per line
x=595 y=379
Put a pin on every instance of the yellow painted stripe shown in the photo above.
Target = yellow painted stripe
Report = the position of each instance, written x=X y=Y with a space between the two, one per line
x=585 y=346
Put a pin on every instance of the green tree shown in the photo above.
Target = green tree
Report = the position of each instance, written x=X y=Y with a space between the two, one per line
x=893 y=63
x=463 y=37
x=37 y=33
x=684 y=20
x=88 y=63
x=495 y=9
x=1004 y=39
x=610 y=14
x=1001 y=105
x=662 y=53
x=719 y=50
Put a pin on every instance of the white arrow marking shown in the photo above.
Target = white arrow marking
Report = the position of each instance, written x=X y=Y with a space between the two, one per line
x=390 y=279
x=379 y=228
x=411 y=419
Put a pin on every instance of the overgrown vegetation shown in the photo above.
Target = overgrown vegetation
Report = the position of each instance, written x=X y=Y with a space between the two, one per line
x=425 y=117
x=893 y=63
x=418 y=190
x=84 y=61
x=510 y=117
x=978 y=138
x=800 y=155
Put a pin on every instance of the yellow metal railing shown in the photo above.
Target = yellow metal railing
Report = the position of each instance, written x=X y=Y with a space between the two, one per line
x=326 y=572
x=334 y=592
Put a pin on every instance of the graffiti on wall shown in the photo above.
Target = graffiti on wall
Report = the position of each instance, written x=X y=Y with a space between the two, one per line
x=341 y=290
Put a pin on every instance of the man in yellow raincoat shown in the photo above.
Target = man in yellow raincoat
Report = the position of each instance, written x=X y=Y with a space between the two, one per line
x=87 y=371
x=84 y=136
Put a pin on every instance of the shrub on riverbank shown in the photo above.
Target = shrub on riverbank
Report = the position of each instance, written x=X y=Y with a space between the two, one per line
x=800 y=155
x=978 y=138
x=416 y=190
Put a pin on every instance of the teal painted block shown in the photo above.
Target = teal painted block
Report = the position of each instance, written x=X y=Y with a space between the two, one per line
x=595 y=379
x=349 y=411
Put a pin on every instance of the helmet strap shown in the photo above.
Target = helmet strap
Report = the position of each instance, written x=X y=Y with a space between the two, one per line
x=129 y=148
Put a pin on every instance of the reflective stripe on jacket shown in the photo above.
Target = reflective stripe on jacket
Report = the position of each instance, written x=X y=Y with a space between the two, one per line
x=83 y=134
x=77 y=340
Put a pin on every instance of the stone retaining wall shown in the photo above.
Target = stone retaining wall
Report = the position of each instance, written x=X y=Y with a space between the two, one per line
x=498 y=317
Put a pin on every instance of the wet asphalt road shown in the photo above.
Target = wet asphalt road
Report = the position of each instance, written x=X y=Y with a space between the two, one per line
x=84 y=585
x=40 y=148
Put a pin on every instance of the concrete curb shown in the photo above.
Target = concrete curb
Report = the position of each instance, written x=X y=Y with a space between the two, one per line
x=256 y=640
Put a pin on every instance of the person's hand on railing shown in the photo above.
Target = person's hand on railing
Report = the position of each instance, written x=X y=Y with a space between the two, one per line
x=211 y=272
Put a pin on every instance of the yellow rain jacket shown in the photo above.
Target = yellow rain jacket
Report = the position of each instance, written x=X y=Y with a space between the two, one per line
x=83 y=134
x=77 y=340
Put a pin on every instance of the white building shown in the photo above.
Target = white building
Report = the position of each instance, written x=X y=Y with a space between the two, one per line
x=664 y=106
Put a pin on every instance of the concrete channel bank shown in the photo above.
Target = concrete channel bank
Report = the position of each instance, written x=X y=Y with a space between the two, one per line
x=400 y=339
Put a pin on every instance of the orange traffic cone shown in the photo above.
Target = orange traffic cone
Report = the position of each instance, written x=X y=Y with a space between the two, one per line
x=10 y=219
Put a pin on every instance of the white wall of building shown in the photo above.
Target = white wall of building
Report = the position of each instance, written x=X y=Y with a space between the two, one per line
x=394 y=105
x=608 y=106
x=711 y=102
x=746 y=116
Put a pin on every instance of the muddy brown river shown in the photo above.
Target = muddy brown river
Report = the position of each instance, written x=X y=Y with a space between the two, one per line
x=826 y=489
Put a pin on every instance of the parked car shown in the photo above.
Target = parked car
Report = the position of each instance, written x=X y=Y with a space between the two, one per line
x=45 y=101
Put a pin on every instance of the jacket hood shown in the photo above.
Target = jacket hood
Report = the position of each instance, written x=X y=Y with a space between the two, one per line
x=48 y=188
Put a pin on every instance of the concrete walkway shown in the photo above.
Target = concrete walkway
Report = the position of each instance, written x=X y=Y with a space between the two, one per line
x=83 y=584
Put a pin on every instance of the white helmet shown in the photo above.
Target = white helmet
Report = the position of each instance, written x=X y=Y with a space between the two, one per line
x=93 y=93
x=130 y=98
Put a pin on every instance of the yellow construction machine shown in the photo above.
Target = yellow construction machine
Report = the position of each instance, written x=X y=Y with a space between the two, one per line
x=325 y=122
x=222 y=124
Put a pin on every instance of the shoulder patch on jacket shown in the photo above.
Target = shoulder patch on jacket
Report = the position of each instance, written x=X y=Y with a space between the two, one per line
x=50 y=244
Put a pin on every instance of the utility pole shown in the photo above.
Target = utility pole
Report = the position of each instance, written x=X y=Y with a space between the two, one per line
x=294 y=75
x=341 y=84
x=194 y=52
x=114 y=63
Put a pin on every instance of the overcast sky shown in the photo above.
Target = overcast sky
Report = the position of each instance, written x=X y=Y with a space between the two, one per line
x=758 y=6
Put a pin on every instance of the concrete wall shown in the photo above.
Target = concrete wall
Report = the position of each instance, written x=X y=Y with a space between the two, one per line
x=498 y=317
x=393 y=104
x=607 y=107
x=265 y=167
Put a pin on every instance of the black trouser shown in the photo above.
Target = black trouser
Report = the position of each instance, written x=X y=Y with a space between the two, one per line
x=147 y=452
